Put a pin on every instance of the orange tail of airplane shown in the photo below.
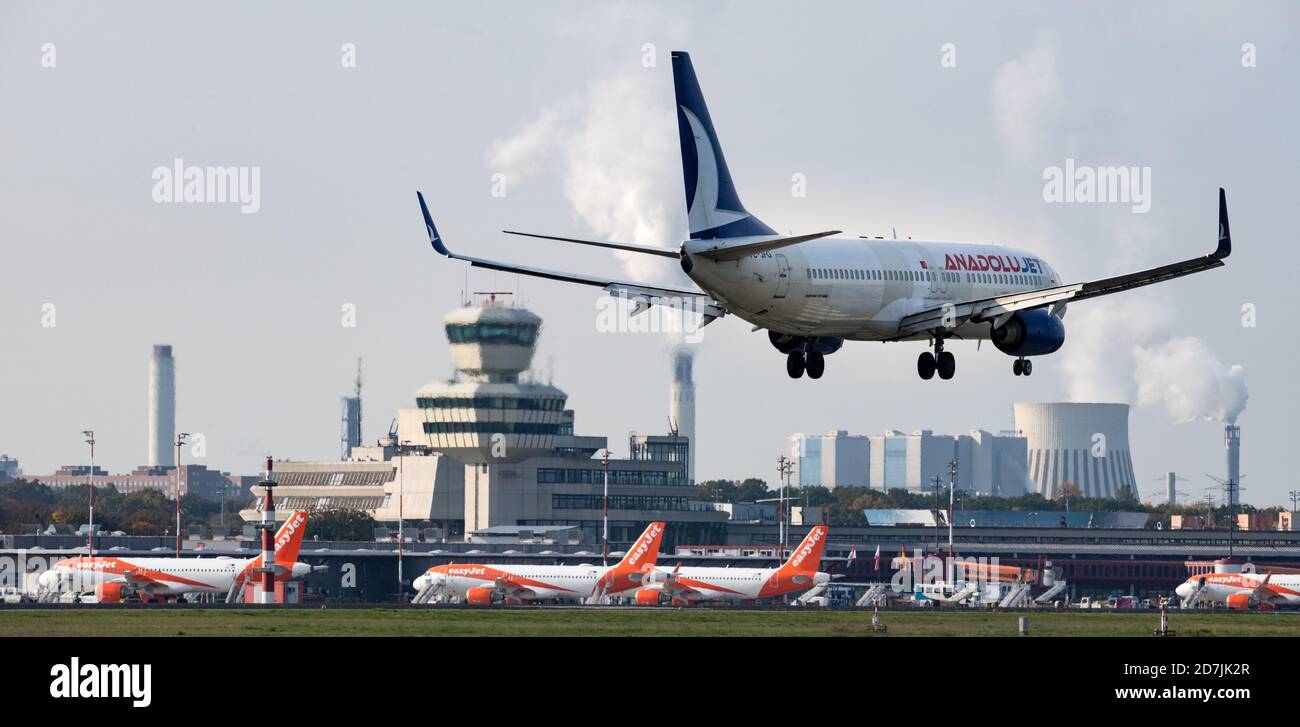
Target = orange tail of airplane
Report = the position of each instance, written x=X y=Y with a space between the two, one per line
x=636 y=563
x=288 y=539
x=808 y=556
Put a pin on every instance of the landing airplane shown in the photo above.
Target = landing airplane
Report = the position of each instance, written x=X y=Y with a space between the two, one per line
x=1243 y=591
x=812 y=292
x=685 y=586
x=483 y=585
x=113 y=579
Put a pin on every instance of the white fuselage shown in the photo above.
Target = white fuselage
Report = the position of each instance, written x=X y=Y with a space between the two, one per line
x=860 y=289
x=735 y=584
x=543 y=581
x=1283 y=589
x=155 y=576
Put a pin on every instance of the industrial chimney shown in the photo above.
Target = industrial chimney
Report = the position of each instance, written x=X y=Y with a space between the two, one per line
x=1232 y=447
x=681 y=403
x=352 y=418
x=162 y=407
x=1171 y=488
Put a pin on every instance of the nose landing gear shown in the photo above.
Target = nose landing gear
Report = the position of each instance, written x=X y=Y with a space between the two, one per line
x=1022 y=367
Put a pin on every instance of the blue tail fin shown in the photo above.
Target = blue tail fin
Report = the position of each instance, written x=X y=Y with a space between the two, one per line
x=712 y=207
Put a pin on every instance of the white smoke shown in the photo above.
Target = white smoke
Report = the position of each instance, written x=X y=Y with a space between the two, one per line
x=1028 y=98
x=1119 y=352
x=1186 y=377
x=617 y=148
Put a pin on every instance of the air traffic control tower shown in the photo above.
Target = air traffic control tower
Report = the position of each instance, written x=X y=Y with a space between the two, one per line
x=488 y=416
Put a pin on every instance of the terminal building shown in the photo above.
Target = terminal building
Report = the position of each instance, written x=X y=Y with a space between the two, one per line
x=493 y=450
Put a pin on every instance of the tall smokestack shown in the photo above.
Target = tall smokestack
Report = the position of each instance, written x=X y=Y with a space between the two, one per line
x=1171 y=488
x=681 y=403
x=162 y=407
x=1232 y=447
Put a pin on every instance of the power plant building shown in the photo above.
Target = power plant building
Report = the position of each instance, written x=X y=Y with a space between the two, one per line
x=1082 y=444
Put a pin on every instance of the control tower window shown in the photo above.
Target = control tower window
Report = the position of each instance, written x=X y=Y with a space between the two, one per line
x=519 y=334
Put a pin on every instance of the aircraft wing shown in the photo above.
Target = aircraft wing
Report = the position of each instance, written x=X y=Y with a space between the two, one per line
x=1000 y=308
x=650 y=294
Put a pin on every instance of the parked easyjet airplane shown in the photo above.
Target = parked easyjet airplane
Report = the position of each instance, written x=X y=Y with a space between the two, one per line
x=114 y=579
x=485 y=584
x=1243 y=591
x=812 y=292
x=682 y=586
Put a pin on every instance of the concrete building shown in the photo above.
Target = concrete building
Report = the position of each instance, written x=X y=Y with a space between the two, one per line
x=1085 y=445
x=833 y=459
x=162 y=407
x=196 y=479
x=987 y=464
x=9 y=469
x=493 y=451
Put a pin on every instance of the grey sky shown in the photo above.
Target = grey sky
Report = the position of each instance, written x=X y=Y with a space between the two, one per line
x=852 y=97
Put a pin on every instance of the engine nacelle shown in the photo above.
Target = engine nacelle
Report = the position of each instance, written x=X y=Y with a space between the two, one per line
x=1030 y=333
x=786 y=343
x=647 y=597
x=109 y=592
x=1239 y=601
x=480 y=596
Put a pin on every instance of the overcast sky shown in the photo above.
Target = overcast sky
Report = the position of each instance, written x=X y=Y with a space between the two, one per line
x=571 y=106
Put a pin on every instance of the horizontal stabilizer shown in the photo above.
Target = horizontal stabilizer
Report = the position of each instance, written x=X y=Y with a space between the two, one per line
x=743 y=247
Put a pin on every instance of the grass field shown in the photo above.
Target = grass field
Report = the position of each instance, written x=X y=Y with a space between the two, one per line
x=662 y=622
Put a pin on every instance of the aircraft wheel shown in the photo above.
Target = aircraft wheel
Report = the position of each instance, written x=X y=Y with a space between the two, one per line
x=1018 y=366
x=794 y=364
x=816 y=365
x=1028 y=368
x=946 y=364
x=925 y=365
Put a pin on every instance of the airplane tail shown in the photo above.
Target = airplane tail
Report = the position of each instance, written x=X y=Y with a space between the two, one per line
x=288 y=539
x=808 y=556
x=712 y=207
x=645 y=551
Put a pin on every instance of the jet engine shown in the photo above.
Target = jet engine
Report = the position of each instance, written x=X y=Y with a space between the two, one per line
x=1032 y=332
x=480 y=596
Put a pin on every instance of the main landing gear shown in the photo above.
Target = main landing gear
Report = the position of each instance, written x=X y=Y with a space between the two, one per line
x=1022 y=367
x=941 y=362
x=797 y=362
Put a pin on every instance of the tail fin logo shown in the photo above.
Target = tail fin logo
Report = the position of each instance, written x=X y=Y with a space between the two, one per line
x=289 y=538
x=703 y=212
x=811 y=544
x=649 y=541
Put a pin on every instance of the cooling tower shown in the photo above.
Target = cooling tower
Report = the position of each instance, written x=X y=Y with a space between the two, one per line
x=162 y=407
x=1081 y=444
x=681 y=403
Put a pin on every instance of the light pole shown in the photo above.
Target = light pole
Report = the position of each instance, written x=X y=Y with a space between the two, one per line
x=605 y=507
x=90 y=536
x=401 y=498
x=180 y=442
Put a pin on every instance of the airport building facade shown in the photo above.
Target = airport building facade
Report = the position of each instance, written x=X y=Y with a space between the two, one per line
x=492 y=449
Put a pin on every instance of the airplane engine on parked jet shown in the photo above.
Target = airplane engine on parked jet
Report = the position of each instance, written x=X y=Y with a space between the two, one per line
x=647 y=597
x=480 y=596
x=110 y=592
x=1239 y=601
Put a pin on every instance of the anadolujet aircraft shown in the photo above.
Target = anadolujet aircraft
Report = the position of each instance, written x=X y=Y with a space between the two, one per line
x=812 y=292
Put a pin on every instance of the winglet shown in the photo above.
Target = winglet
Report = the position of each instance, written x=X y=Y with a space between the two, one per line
x=1225 y=235
x=429 y=227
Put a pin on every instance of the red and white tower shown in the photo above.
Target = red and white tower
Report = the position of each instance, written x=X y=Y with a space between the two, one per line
x=267 y=593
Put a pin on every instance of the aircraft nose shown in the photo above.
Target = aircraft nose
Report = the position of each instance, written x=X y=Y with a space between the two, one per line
x=1184 y=590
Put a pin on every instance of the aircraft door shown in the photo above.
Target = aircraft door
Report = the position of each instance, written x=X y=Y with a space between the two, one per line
x=782 y=275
